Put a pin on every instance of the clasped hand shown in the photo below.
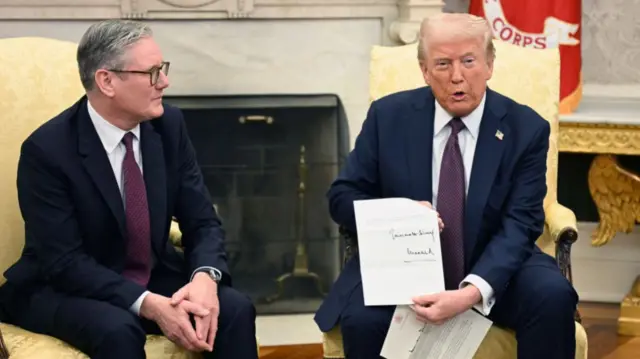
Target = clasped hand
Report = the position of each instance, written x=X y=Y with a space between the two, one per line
x=198 y=298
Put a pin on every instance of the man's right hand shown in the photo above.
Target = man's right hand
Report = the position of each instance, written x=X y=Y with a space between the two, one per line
x=174 y=320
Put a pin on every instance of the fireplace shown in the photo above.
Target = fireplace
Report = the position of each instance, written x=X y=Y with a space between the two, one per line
x=268 y=162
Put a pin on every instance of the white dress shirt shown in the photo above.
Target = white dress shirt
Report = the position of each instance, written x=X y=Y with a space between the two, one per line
x=111 y=138
x=467 y=138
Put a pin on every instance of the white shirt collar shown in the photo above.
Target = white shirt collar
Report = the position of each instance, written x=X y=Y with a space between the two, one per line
x=472 y=121
x=109 y=134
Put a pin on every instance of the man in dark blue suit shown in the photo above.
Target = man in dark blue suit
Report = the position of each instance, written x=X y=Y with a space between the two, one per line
x=98 y=186
x=480 y=159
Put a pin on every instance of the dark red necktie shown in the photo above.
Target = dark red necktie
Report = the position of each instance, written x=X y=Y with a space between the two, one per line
x=138 y=261
x=450 y=206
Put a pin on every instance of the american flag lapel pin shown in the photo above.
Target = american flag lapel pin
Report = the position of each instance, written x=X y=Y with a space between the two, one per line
x=499 y=135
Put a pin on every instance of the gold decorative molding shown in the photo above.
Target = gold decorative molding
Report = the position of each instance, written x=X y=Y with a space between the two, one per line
x=616 y=194
x=599 y=138
x=629 y=319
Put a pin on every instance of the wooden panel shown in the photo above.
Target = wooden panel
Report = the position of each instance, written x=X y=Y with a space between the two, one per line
x=306 y=351
x=600 y=322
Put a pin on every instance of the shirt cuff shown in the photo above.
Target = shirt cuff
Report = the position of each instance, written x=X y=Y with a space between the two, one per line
x=207 y=269
x=488 y=299
x=135 y=307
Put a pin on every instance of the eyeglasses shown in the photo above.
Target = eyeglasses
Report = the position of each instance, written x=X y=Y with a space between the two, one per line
x=154 y=72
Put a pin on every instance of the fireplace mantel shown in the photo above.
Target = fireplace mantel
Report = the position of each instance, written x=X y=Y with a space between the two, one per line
x=400 y=18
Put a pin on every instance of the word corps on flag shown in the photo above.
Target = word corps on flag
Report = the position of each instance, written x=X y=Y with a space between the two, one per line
x=541 y=24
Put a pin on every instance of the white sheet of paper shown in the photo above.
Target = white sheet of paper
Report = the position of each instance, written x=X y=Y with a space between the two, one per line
x=399 y=248
x=458 y=338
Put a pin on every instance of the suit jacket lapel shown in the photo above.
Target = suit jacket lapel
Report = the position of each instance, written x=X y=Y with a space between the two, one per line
x=486 y=161
x=155 y=181
x=419 y=146
x=97 y=165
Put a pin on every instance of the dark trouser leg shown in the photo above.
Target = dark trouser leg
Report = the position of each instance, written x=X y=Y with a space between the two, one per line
x=364 y=328
x=99 y=329
x=539 y=305
x=236 y=335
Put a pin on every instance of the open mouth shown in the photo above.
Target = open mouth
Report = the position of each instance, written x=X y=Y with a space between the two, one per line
x=458 y=95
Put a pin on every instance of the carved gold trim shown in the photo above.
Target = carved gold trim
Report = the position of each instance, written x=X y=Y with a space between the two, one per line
x=629 y=319
x=616 y=193
x=599 y=138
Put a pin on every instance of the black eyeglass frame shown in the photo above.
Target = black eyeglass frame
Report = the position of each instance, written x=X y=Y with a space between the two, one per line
x=154 y=72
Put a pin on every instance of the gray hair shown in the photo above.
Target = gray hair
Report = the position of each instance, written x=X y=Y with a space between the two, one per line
x=104 y=44
x=452 y=26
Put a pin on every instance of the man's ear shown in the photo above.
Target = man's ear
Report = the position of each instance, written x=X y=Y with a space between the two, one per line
x=489 y=69
x=425 y=72
x=104 y=82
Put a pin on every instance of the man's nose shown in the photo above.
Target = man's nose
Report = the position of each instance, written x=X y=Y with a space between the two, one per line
x=456 y=75
x=163 y=81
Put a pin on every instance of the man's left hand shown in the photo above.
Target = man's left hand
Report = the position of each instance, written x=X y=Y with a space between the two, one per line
x=202 y=290
x=438 y=308
x=428 y=204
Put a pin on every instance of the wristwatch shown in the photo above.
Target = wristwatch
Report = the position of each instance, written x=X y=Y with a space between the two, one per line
x=212 y=272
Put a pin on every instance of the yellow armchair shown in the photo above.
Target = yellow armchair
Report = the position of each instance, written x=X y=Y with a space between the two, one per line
x=531 y=77
x=38 y=79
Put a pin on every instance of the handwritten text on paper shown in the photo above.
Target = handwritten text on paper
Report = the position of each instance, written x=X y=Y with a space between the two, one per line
x=399 y=247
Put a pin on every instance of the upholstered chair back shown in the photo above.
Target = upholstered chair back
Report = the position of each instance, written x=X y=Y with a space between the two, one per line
x=38 y=79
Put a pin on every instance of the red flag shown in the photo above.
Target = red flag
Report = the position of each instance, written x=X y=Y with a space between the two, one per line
x=542 y=24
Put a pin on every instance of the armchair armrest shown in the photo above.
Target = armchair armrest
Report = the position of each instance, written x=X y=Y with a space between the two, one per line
x=350 y=243
x=4 y=351
x=175 y=236
x=563 y=229
x=561 y=222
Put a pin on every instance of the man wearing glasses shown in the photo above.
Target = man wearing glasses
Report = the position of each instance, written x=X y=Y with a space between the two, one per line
x=98 y=186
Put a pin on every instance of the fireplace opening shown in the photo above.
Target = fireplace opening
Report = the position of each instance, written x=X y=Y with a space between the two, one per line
x=268 y=162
